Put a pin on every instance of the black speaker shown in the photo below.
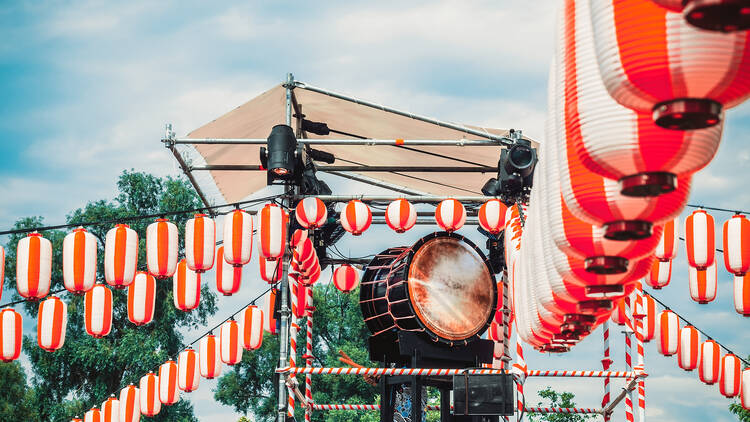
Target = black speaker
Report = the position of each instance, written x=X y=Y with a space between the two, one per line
x=483 y=395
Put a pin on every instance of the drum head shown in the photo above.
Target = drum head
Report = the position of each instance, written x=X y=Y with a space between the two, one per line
x=451 y=288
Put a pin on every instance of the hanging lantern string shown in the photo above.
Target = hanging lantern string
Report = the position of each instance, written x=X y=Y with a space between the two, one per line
x=5 y=305
x=717 y=249
x=694 y=326
x=704 y=207
x=234 y=205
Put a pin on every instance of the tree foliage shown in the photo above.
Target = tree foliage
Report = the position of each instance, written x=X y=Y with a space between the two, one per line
x=557 y=399
x=86 y=370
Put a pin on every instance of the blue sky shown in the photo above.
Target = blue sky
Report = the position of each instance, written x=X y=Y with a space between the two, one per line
x=87 y=87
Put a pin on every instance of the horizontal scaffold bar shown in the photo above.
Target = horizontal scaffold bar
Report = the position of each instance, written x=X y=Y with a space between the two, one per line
x=449 y=372
x=359 y=169
x=387 y=198
x=366 y=142
x=542 y=410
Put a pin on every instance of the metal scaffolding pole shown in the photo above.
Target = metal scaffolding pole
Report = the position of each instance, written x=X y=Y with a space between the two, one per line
x=388 y=198
x=347 y=142
x=359 y=169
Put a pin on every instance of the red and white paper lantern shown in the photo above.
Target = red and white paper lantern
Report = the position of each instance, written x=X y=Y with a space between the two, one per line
x=149 y=395
x=346 y=278
x=230 y=338
x=619 y=316
x=188 y=373
x=97 y=305
x=270 y=271
x=699 y=239
x=130 y=404
x=11 y=335
x=200 y=242
x=649 y=321
x=730 y=376
x=79 y=261
x=666 y=250
x=689 y=351
x=710 y=362
x=272 y=227
x=142 y=299
x=52 y=324
x=269 y=322
x=298 y=237
x=111 y=410
x=161 y=248
x=168 y=379
x=311 y=213
x=186 y=288
x=33 y=266
x=356 y=217
x=93 y=415
x=210 y=358
x=660 y=274
x=120 y=256
x=745 y=393
x=238 y=237
x=252 y=328
x=702 y=283
x=450 y=215
x=492 y=216
x=400 y=215
x=736 y=234
x=742 y=294
x=228 y=277
x=669 y=333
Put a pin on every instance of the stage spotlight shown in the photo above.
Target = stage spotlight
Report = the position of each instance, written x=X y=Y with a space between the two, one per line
x=281 y=157
x=515 y=173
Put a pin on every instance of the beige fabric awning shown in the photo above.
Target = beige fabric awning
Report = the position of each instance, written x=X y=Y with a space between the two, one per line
x=255 y=119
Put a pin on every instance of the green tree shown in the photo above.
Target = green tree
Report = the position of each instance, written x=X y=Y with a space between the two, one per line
x=85 y=370
x=557 y=399
x=17 y=401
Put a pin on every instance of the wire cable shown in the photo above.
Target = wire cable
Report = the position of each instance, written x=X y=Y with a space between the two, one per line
x=735 y=211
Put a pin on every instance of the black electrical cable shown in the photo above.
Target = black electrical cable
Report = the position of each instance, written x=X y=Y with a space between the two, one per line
x=5 y=305
x=717 y=249
x=735 y=211
x=696 y=327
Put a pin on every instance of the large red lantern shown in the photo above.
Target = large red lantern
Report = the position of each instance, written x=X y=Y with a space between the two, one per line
x=142 y=299
x=737 y=244
x=660 y=274
x=702 y=284
x=79 y=261
x=666 y=250
x=272 y=227
x=186 y=288
x=200 y=242
x=161 y=248
x=492 y=216
x=311 y=213
x=356 y=217
x=651 y=60
x=450 y=215
x=230 y=338
x=188 y=373
x=120 y=256
x=228 y=277
x=111 y=410
x=742 y=294
x=52 y=323
x=710 y=361
x=210 y=357
x=97 y=305
x=149 y=395
x=730 y=375
x=168 y=392
x=689 y=350
x=699 y=239
x=346 y=278
x=130 y=404
x=400 y=215
x=252 y=327
x=33 y=266
x=669 y=333
x=713 y=15
x=238 y=237
x=11 y=335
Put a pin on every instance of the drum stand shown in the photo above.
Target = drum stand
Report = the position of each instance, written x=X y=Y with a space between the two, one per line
x=410 y=350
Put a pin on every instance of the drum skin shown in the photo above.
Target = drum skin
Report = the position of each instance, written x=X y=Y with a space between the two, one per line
x=441 y=287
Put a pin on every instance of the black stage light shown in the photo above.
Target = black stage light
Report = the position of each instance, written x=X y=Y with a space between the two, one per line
x=280 y=158
x=483 y=395
x=515 y=173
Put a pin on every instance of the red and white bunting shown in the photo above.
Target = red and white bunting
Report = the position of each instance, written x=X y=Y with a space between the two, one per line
x=742 y=294
x=311 y=213
x=272 y=227
x=186 y=288
x=142 y=299
x=400 y=215
x=130 y=404
x=689 y=350
x=149 y=395
x=209 y=356
x=252 y=327
x=730 y=375
x=669 y=332
x=79 y=261
x=666 y=250
x=161 y=248
x=200 y=241
x=188 y=372
x=11 y=335
x=710 y=362
x=238 y=237
x=97 y=310
x=736 y=235
x=702 y=283
x=168 y=392
x=346 y=278
x=699 y=239
x=356 y=217
x=33 y=266
x=231 y=342
x=492 y=216
x=52 y=324
x=120 y=256
x=660 y=274
x=450 y=215
x=228 y=277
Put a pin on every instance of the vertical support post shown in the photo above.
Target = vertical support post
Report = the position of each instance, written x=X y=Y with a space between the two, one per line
x=520 y=370
x=606 y=363
x=507 y=323
x=289 y=86
x=639 y=313
x=628 y=361
x=309 y=355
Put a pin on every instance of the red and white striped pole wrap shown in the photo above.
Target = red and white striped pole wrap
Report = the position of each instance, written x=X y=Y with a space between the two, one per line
x=639 y=312
x=293 y=329
x=309 y=355
x=628 y=362
x=519 y=371
x=606 y=363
